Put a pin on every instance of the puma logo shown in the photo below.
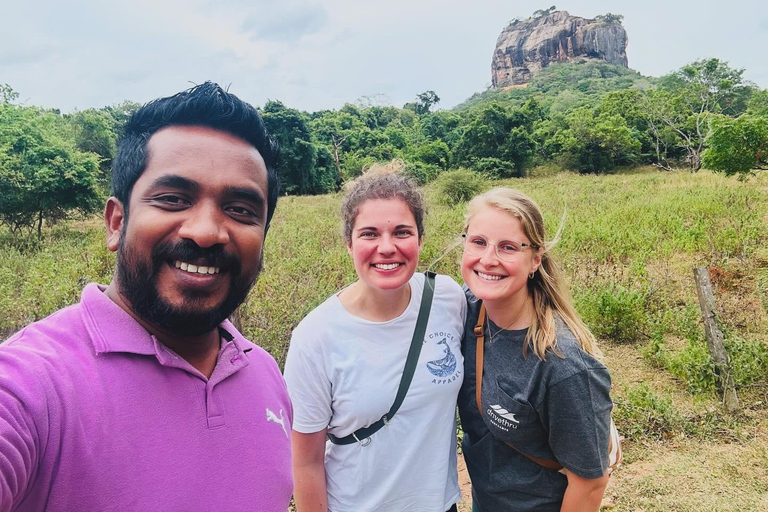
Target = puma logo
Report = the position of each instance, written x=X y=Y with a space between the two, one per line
x=271 y=416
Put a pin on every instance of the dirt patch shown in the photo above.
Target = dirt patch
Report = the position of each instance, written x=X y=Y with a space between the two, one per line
x=465 y=505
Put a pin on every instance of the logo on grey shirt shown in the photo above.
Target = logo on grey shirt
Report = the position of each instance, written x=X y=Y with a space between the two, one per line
x=501 y=418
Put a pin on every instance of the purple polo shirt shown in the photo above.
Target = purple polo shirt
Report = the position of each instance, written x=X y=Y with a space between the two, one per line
x=97 y=415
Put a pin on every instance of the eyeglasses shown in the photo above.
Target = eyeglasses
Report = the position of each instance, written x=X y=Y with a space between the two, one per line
x=506 y=250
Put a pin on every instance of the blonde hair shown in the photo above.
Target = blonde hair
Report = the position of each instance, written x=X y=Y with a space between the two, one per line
x=381 y=181
x=547 y=288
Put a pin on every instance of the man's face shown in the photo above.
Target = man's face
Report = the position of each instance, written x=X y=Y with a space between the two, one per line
x=190 y=248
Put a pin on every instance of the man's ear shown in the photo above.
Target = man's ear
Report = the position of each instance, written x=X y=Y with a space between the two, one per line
x=114 y=216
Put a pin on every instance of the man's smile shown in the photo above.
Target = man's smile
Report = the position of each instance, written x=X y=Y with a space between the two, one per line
x=197 y=269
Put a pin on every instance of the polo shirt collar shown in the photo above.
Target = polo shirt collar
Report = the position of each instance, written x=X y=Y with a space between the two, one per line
x=112 y=329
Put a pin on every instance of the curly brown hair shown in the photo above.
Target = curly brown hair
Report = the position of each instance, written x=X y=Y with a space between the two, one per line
x=381 y=181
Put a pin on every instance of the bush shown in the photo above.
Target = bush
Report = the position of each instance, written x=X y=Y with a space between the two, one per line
x=422 y=172
x=693 y=366
x=494 y=168
x=614 y=312
x=643 y=414
x=748 y=360
x=458 y=186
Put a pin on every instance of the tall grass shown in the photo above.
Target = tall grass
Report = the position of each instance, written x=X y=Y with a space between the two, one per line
x=629 y=244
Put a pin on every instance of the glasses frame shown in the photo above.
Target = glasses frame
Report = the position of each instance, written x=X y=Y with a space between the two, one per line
x=504 y=257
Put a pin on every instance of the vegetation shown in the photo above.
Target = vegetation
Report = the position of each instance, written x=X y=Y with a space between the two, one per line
x=633 y=233
x=43 y=175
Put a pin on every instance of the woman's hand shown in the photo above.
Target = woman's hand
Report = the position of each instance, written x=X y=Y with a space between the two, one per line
x=309 y=491
x=583 y=494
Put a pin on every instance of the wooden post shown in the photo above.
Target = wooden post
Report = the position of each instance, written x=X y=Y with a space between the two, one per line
x=715 y=339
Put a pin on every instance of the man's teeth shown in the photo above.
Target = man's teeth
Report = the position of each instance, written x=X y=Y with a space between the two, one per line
x=386 y=266
x=489 y=277
x=196 y=269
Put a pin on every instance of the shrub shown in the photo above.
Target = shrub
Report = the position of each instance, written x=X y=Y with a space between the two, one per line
x=644 y=414
x=422 y=172
x=693 y=366
x=494 y=168
x=748 y=360
x=458 y=186
x=614 y=312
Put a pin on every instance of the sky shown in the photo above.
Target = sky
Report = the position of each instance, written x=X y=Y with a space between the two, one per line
x=311 y=55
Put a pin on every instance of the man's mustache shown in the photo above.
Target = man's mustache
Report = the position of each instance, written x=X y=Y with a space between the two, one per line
x=187 y=250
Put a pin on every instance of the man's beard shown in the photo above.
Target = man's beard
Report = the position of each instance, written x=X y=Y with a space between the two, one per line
x=138 y=285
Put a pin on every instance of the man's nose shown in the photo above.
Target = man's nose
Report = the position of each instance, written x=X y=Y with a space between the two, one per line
x=205 y=226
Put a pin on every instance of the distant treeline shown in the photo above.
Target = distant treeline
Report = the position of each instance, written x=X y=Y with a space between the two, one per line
x=588 y=117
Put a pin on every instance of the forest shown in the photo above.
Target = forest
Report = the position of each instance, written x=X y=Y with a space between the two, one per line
x=592 y=118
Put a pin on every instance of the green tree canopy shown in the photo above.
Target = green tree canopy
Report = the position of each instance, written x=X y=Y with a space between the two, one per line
x=299 y=169
x=595 y=144
x=737 y=145
x=42 y=174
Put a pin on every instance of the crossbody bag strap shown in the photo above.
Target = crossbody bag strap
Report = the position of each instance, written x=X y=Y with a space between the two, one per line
x=479 y=353
x=364 y=434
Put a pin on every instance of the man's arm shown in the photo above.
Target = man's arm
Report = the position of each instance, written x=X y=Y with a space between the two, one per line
x=309 y=471
x=583 y=494
x=18 y=453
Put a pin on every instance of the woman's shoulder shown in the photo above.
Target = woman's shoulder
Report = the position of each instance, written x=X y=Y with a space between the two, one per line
x=572 y=357
x=317 y=321
x=446 y=285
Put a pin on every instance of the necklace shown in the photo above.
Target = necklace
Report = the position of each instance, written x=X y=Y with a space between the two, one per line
x=490 y=330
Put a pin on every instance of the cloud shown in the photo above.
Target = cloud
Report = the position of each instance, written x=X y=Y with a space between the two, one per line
x=284 y=23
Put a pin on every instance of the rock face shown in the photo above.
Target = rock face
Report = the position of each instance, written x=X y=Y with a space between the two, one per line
x=525 y=47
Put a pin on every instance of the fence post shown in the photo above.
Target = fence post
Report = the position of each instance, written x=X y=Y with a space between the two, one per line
x=715 y=339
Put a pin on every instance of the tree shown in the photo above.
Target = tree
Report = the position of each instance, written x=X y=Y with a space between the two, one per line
x=689 y=96
x=758 y=103
x=436 y=153
x=494 y=132
x=594 y=144
x=42 y=174
x=299 y=169
x=543 y=12
x=424 y=103
x=94 y=131
x=7 y=94
x=610 y=18
x=737 y=145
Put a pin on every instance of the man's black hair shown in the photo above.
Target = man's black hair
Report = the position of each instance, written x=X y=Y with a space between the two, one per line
x=206 y=105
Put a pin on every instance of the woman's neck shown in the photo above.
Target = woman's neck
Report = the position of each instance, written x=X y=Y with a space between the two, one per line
x=511 y=313
x=374 y=304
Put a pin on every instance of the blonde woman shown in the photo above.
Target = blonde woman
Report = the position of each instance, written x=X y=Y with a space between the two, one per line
x=545 y=394
x=346 y=360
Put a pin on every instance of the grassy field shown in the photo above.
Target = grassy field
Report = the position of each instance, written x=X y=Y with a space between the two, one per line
x=629 y=246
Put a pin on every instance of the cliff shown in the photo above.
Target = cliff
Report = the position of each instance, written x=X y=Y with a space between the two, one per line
x=525 y=47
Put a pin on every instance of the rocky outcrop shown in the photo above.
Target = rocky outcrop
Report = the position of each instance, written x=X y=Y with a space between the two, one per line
x=525 y=47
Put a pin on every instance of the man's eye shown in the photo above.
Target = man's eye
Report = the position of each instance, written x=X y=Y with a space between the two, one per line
x=403 y=233
x=170 y=201
x=478 y=242
x=242 y=210
x=367 y=234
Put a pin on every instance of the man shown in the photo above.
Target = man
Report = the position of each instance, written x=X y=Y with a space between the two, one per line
x=142 y=396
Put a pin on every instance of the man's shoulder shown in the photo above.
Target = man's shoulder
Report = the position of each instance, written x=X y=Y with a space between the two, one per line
x=51 y=335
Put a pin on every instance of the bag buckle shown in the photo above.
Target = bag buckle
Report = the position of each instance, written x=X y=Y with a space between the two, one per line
x=364 y=442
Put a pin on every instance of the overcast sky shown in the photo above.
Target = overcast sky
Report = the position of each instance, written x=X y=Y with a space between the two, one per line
x=76 y=54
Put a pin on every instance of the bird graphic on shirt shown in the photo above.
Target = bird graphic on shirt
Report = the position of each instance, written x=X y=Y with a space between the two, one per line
x=444 y=366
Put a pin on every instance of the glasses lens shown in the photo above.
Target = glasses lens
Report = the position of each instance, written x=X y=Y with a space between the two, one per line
x=475 y=245
x=509 y=249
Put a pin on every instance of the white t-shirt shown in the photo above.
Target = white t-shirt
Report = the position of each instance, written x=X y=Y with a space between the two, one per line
x=343 y=373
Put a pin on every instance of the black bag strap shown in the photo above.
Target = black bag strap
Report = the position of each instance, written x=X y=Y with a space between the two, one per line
x=363 y=435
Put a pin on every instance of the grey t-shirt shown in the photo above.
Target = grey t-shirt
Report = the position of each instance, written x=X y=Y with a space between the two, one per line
x=558 y=409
